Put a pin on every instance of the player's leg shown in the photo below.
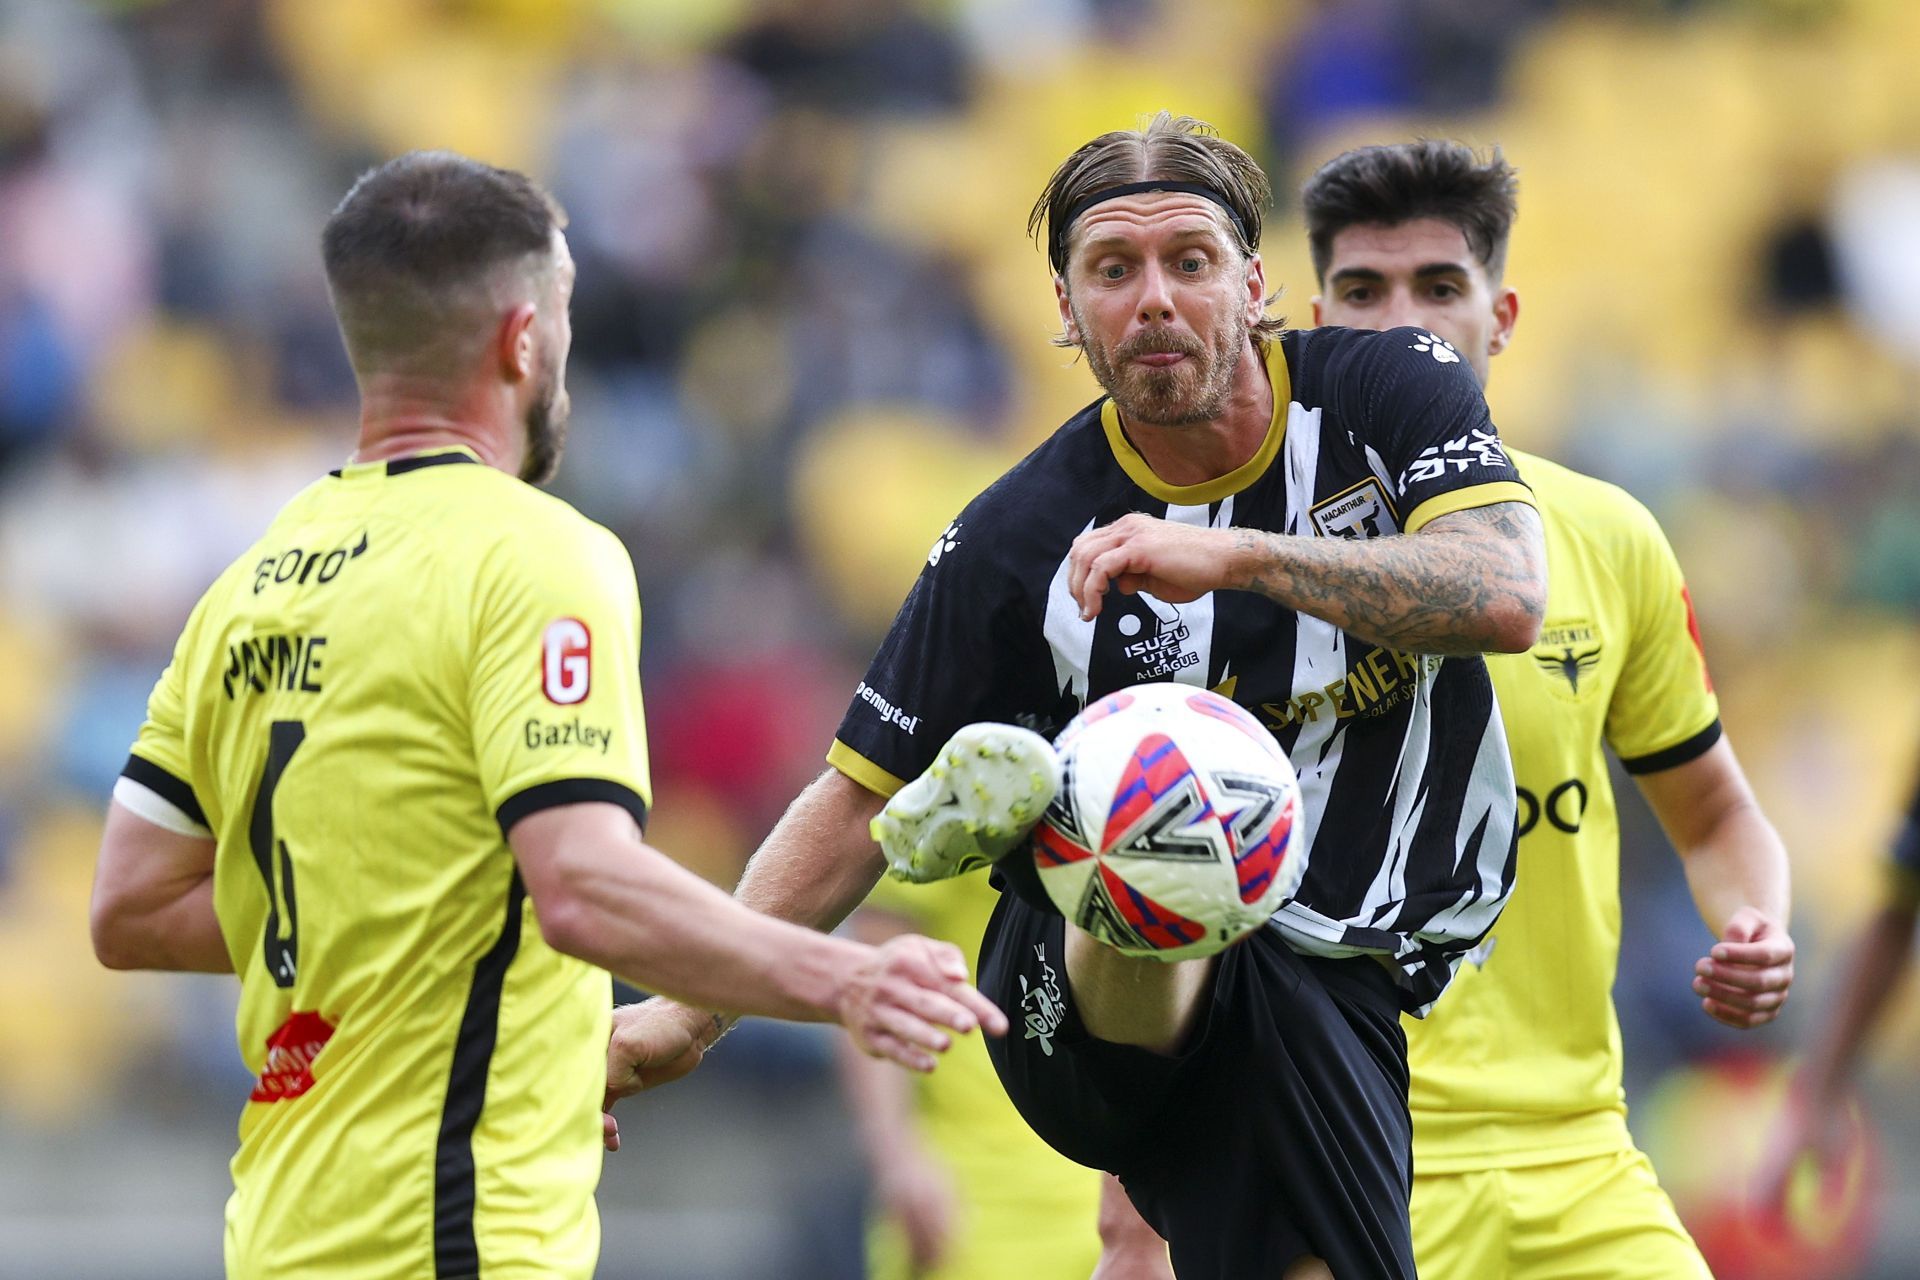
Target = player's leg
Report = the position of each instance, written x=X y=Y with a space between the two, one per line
x=1603 y=1218
x=1137 y=1001
x=1093 y=1101
x=1121 y=1064
x=1116 y=1107
x=1288 y=1139
x=984 y=792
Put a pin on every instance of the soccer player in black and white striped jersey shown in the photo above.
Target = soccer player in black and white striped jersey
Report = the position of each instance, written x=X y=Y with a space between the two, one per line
x=1325 y=528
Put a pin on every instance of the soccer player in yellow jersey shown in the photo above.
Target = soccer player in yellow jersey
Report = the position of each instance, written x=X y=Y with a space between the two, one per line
x=394 y=778
x=1523 y=1165
x=962 y=1188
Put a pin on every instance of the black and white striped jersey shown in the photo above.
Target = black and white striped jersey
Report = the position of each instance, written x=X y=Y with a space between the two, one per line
x=1407 y=788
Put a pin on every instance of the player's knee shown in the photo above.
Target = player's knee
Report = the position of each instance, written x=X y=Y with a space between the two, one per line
x=1133 y=1000
x=1308 y=1268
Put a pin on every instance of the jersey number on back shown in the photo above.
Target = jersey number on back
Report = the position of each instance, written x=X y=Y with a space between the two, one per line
x=270 y=855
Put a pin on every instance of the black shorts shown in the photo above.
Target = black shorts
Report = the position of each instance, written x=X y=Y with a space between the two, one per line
x=1281 y=1131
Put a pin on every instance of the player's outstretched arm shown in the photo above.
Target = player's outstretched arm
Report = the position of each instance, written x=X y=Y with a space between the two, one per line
x=1473 y=581
x=815 y=866
x=603 y=894
x=153 y=899
x=1737 y=870
x=1813 y=1119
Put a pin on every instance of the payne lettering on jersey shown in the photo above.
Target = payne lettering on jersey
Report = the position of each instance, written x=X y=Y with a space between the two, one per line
x=260 y=664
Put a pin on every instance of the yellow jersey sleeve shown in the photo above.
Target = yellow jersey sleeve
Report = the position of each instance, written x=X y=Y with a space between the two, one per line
x=160 y=761
x=554 y=697
x=1664 y=711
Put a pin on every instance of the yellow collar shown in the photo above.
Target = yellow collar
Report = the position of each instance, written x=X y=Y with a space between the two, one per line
x=1207 y=491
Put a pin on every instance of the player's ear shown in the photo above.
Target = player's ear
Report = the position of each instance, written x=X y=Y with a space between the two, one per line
x=1318 y=319
x=1506 y=311
x=1256 y=289
x=518 y=349
x=1068 y=327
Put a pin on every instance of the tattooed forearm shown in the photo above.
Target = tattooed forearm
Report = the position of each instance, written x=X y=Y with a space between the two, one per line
x=1471 y=582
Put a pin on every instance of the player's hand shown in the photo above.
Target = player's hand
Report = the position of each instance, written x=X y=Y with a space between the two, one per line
x=654 y=1042
x=1804 y=1128
x=1743 y=981
x=1177 y=563
x=906 y=995
x=916 y=1192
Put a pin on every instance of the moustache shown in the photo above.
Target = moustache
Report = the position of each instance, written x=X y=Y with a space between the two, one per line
x=1160 y=342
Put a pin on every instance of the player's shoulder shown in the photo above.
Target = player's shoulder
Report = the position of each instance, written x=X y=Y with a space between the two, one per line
x=482 y=512
x=1595 y=510
x=1057 y=486
x=1330 y=361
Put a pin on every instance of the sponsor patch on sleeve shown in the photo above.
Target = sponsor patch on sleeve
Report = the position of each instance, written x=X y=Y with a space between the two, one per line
x=566 y=661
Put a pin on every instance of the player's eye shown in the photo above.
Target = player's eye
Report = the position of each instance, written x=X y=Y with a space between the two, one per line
x=1112 y=271
x=1193 y=266
x=1445 y=290
x=1357 y=296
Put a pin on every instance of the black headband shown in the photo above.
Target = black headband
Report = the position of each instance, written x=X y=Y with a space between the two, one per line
x=1057 y=250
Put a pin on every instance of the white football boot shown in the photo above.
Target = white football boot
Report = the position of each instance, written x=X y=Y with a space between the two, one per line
x=989 y=786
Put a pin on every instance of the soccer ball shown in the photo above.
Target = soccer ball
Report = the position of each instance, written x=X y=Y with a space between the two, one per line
x=1173 y=831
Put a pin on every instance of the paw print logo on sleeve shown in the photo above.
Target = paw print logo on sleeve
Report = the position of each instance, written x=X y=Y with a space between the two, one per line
x=944 y=543
x=1437 y=347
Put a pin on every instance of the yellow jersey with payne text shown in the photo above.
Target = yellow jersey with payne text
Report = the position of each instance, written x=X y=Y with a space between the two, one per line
x=1520 y=1064
x=415 y=656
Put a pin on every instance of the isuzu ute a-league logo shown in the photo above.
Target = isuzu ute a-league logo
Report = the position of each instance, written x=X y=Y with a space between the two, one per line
x=1157 y=639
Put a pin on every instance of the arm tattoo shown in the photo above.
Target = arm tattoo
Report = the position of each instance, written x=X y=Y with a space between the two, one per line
x=1469 y=582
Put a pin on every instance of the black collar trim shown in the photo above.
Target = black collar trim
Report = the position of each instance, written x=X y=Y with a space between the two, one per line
x=400 y=466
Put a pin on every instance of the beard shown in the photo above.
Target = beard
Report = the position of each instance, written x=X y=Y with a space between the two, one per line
x=1195 y=390
x=546 y=429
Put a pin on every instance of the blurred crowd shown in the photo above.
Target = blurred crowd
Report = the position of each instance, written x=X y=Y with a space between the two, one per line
x=808 y=326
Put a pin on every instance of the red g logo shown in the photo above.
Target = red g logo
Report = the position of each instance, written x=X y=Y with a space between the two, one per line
x=566 y=661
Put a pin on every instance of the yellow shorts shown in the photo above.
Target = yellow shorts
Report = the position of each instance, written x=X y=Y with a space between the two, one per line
x=1604 y=1217
x=995 y=1246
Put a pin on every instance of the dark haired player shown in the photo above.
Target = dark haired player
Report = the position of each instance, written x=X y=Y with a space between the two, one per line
x=1325 y=528
x=395 y=776
x=1523 y=1165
